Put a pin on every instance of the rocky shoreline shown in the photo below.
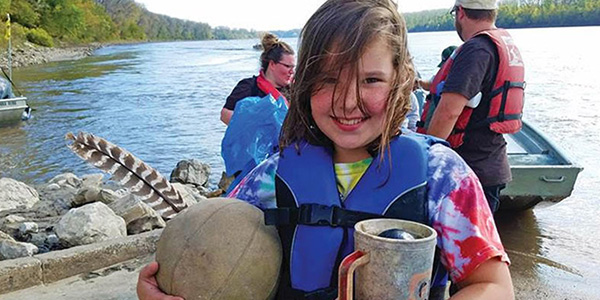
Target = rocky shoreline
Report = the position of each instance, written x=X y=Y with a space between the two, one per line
x=70 y=211
x=30 y=54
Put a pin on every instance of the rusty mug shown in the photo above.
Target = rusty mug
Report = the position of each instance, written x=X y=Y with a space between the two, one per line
x=388 y=268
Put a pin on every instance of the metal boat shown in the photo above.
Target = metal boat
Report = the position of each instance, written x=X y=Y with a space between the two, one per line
x=540 y=171
x=13 y=110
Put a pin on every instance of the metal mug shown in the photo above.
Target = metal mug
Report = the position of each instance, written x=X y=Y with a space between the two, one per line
x=388 y=268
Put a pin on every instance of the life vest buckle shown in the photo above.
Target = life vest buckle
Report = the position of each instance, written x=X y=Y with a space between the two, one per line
x=317 y=214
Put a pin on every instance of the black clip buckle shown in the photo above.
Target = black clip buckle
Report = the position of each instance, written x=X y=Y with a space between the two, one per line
x=317 y=214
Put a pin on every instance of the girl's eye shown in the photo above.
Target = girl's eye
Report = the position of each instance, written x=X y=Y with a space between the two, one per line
x=372 y=80
x=330 y=80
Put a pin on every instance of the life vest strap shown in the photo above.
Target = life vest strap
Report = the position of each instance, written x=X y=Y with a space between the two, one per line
x=507 y=85
x=489 y=121
x=316 y=215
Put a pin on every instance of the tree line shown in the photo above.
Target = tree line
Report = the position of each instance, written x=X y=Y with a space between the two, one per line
x=518 y=14
x=69 y=22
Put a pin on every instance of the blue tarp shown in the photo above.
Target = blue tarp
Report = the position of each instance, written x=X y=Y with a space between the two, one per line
x=252 y=134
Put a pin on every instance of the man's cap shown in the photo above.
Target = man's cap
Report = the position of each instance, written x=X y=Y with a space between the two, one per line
x=477 y=4
x=446 y=54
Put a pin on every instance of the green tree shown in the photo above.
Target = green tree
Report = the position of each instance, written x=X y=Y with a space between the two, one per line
x=22 y=12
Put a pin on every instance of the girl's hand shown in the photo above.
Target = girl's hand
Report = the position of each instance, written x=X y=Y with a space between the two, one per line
x=147 y=287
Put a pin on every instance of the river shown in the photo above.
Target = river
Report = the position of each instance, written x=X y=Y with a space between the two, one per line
x=161 y=101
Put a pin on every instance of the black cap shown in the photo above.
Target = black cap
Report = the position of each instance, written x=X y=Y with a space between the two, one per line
x=446 y=54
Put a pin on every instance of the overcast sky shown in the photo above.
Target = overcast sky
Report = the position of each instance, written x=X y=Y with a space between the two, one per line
x=260 y=14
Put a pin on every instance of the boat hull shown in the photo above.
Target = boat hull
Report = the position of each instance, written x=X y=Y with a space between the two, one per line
x=540 y=171
x=534 y=184
x=11 y=110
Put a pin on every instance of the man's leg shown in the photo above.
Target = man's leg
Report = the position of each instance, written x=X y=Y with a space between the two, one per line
x=492 y=194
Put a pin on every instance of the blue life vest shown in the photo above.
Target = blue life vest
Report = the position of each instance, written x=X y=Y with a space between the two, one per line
x=316 y=227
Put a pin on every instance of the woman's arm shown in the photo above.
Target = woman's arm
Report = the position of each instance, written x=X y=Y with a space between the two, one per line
x=226 y=115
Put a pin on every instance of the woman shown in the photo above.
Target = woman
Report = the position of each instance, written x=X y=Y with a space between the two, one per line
x=277 y=63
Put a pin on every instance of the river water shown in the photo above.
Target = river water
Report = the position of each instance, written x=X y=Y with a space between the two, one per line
x=161 y=101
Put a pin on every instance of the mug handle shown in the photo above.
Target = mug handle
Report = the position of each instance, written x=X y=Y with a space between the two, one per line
x=346 y=272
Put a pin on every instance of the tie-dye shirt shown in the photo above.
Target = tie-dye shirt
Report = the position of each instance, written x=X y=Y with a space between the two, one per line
x=458 y=210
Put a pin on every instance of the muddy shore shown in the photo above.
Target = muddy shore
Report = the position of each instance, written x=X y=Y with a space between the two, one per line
x=31 y=54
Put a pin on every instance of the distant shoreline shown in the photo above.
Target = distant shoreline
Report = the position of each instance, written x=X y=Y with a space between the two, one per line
x=28 y=54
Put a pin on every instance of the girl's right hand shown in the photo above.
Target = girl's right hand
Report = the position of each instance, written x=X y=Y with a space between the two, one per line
x=147 y=287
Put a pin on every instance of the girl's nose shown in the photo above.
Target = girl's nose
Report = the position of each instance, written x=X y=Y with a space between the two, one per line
x=348 y=101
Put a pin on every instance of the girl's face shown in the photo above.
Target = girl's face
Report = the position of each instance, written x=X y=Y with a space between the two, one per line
x=347 y=127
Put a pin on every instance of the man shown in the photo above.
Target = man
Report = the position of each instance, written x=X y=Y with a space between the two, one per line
x=488 y=63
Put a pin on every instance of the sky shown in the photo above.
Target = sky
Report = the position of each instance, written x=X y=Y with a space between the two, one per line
x=260 y=14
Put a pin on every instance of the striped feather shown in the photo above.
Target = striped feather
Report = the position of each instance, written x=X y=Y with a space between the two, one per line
x=142 y=180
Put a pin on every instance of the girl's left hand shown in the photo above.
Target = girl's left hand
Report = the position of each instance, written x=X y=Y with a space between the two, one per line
x=147 y=287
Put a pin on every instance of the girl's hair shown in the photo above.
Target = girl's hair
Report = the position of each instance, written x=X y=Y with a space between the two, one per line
x=335 y=37
x=273 y=49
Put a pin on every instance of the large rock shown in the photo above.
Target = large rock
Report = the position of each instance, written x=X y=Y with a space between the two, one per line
x=66 y=179
x=191 y=171
x=11 y=223
x=15 y=194
x=88 y=224
x=90 y=194
x=92 y=180
x=26 y=228
x=138 y=216
x=9 y=248
x=58 y=195
x=189 y=194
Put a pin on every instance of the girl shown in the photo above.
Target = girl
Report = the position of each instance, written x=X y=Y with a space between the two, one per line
x=343 y=160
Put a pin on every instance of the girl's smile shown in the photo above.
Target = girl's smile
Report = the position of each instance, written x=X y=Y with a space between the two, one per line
x=346 y=124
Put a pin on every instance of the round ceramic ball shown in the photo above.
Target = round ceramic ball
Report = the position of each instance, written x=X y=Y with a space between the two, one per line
x=219 y=249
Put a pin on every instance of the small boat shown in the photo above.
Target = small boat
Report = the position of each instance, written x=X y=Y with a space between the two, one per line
x=257 y=46
x=540 y=171
x=13 y=110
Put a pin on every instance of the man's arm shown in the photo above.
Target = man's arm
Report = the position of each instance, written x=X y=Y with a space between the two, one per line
x=226 y=115
x=446 y=113
x=490 y=280
x=424 y=84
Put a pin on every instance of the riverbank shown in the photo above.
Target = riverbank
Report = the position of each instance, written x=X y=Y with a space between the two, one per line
x=30 y=54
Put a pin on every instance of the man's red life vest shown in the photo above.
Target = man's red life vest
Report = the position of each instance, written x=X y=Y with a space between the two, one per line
x=506 y=97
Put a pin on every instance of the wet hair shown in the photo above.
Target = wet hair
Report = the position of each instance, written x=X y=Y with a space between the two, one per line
x=273 y=50
x=481 y=14
x=335 y=37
